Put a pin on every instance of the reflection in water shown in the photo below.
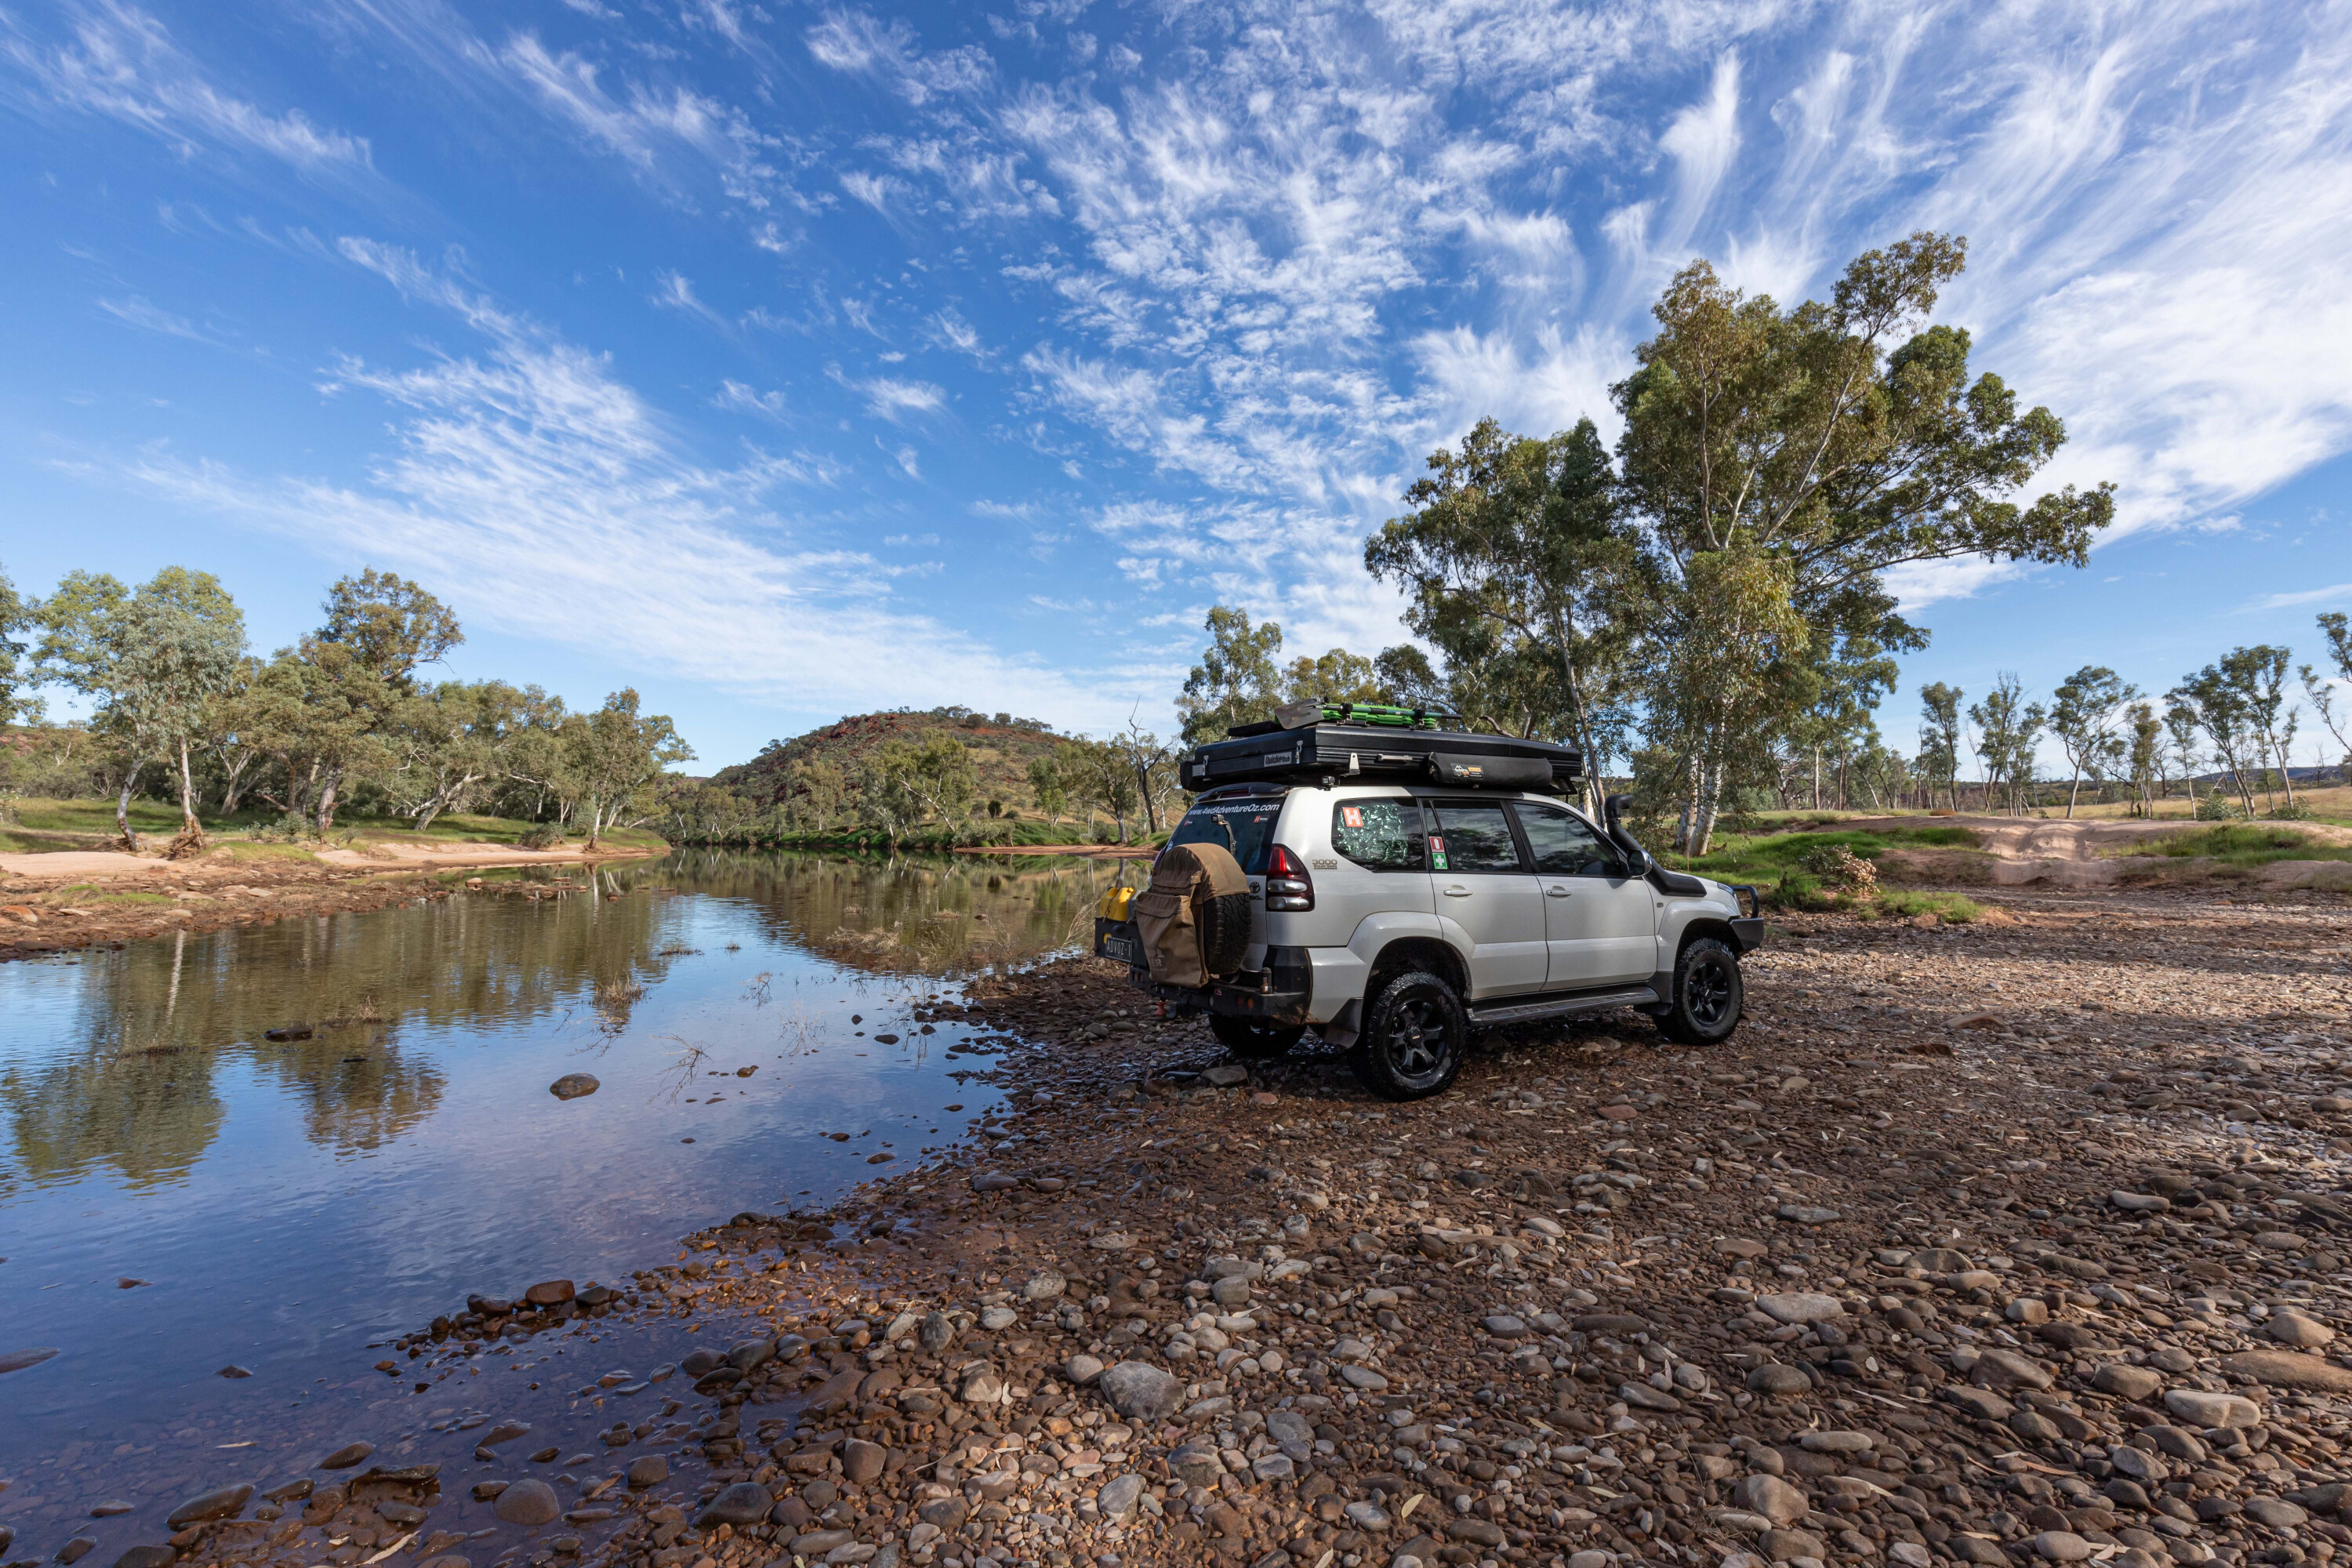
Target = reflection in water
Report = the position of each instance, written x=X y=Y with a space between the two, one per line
x=130 y=1086
x=396 y=1146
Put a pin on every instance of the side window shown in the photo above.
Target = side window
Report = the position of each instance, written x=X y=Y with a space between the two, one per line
x=1564 y=845
x=1377 y=834
x=1473 y=838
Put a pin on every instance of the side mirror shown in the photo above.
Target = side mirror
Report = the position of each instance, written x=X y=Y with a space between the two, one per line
x=1637 y=863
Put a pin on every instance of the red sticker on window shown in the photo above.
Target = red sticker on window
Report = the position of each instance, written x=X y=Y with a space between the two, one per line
x=1353 y=815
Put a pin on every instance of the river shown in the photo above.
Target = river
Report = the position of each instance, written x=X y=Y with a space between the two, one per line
x=181 y=1194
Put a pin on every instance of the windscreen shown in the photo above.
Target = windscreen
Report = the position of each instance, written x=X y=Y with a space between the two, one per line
x=1243 y=825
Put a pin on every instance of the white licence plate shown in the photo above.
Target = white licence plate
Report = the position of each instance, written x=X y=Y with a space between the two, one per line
x=1119 y=947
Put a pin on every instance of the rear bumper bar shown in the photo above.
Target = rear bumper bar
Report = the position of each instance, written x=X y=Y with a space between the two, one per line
x=1281 y=992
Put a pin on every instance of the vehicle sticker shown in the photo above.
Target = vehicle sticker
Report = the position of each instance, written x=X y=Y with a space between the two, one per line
x=1436 y=852
x=1353 y=815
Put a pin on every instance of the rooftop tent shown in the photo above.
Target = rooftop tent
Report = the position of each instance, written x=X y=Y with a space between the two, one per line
x=1378 y=743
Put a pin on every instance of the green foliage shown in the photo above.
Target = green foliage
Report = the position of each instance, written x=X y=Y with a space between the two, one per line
x=2085 y=712
x=2246 y=845
x=541 y=836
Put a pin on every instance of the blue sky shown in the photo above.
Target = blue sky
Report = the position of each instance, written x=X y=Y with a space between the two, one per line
x=790 y=360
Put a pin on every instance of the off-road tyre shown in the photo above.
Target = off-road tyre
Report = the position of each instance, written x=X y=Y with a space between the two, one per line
x=1415 y=1035
x=1708 y=994
x=1252 y=1041
x=1225 y=928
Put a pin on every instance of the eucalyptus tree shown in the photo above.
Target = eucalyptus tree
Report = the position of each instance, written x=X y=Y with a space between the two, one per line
x=358 y=673
x=2321 y=688
x=610 y=755
x=157 y=662
x=1518 y=566
x=1799 y=455
x=18 y=616
x=2216 y=704
x=2086 y=712
x=1940 y=739
x=2008 y=730
x=2145 y=752
x=1236 y=681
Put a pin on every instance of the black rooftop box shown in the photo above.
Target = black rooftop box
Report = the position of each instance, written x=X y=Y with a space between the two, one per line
x=1367 y=753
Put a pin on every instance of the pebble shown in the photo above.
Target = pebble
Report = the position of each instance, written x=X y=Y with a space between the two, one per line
x=226 y=1503
x=17 y=1360
x=344 y=1457
x=1118 y=1498
x=651 y=1470
x=745 y=1502
x=1139 y=1391
x=574 y=1085
x=1773 y=1498
x=1800 y=1307
x=2062 y=1546
x=2211 y=1411
x=2286 y=1369
x=528 y=1503
x=1226 y=1075
x=2290 y=1327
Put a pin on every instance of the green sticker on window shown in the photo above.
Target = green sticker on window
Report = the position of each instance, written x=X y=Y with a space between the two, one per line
x=1436 y=852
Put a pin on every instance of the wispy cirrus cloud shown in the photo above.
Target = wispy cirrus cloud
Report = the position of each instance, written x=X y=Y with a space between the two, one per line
x=121 y=63
x=526 y=481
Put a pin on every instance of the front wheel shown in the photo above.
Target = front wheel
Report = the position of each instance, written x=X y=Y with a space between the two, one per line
x=1253 y=1041
x=1415 y=1036
x=1704 y=1008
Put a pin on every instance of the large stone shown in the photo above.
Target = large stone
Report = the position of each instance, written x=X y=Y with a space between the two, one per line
x=935 y=1333
x=1226 y=1075
x=1118 y=1498
x=528 y=1503
x=1773 y=1498
x=2208 y=1410
x=17 y=1360
x=1291 y=1432
x=1773 y=1377
x=149 y=1556
x=1082 y=1369
x=549 y=1292
x=2007 y=1369
x=745 y=1502
x=862 y=1461
x=1139 y=1391
x=2276 y=1512
x=1790 y=1545
x=573 y=1085
x=650 y=1471
x=1044 y=1285
x=344 y=1457
x=1981 y=1402
x=2289 y=1327
x=226 y=1503
x=2286 y=1369
x=2127 y=1381
x=2062 y=1546
x=1801 y=1307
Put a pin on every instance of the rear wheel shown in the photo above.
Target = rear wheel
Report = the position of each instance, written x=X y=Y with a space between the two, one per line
x=1253 y=1041
x=1708 y=995
x=1415 y=1036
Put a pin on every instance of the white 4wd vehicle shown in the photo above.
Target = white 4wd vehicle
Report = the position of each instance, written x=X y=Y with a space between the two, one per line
x=1394 y=918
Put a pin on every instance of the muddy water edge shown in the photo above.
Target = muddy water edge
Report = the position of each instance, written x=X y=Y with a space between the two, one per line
x=237 y=1166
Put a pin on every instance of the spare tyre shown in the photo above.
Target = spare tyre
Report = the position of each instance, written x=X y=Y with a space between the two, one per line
x=1194 y=919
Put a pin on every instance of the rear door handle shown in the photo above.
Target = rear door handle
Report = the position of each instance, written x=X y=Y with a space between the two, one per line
x=1458 y=892
x=1555 y=892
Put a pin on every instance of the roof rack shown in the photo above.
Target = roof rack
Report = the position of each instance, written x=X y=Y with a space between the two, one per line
x=1368 y=742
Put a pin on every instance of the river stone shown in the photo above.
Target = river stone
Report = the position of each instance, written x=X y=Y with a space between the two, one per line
x=862 y=1461
x=1502 y=1326
x=2007 y=1369
x=1837 y=1442
x=1791 y=1545
x=2289 y=1327
x=528 y=1503
x=1773 y=1498
x=226 y=1503
x=344 y=1457
x=1139 y=1391
x=17 y=1360
x=1364 y=1378
x=745 y=1502
x=650 y=1471
x=817 y=1542
x=1291 y=1432
x=1226 y=1075
x=548 y=1292
x=2285 y=1369
x=2202 y=1409
x=2124 y=1381
x=1642 y=1396
x=574 y=1085
x=1367 y=1516
x=997 y=1317
x=1044 y=1285
x=1773 y=1377
x=1801 y=1307
x=2062 y=1546
x=1083 y=1369
x=935 y=1333
x=1118 y=1498
x=2276 y=1512
x=147 y=1557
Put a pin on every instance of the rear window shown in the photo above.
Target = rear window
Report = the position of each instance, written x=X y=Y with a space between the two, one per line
x=1377 y=834
x=1474 y=838
x=1243 y=827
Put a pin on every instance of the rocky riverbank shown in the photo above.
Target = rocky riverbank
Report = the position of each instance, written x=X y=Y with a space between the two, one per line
x=72 y=900
x=2001 y=1244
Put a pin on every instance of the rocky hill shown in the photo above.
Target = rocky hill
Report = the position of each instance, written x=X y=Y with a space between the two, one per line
x=1001 y=748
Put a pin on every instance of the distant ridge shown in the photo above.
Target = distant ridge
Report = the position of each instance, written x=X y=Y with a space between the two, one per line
x=1001 y=749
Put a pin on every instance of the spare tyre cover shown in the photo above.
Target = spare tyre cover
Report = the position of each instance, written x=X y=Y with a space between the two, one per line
x=1194 y=918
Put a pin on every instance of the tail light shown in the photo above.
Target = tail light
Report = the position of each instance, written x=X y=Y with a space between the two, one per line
x=1288 y=885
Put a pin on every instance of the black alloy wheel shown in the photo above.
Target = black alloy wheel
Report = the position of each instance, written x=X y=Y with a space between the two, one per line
x=1709 y=995
x=1413 y=1039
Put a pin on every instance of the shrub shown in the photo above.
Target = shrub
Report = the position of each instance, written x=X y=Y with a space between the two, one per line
x=2218 y=807
x=541 y=835
x=1841 y=868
